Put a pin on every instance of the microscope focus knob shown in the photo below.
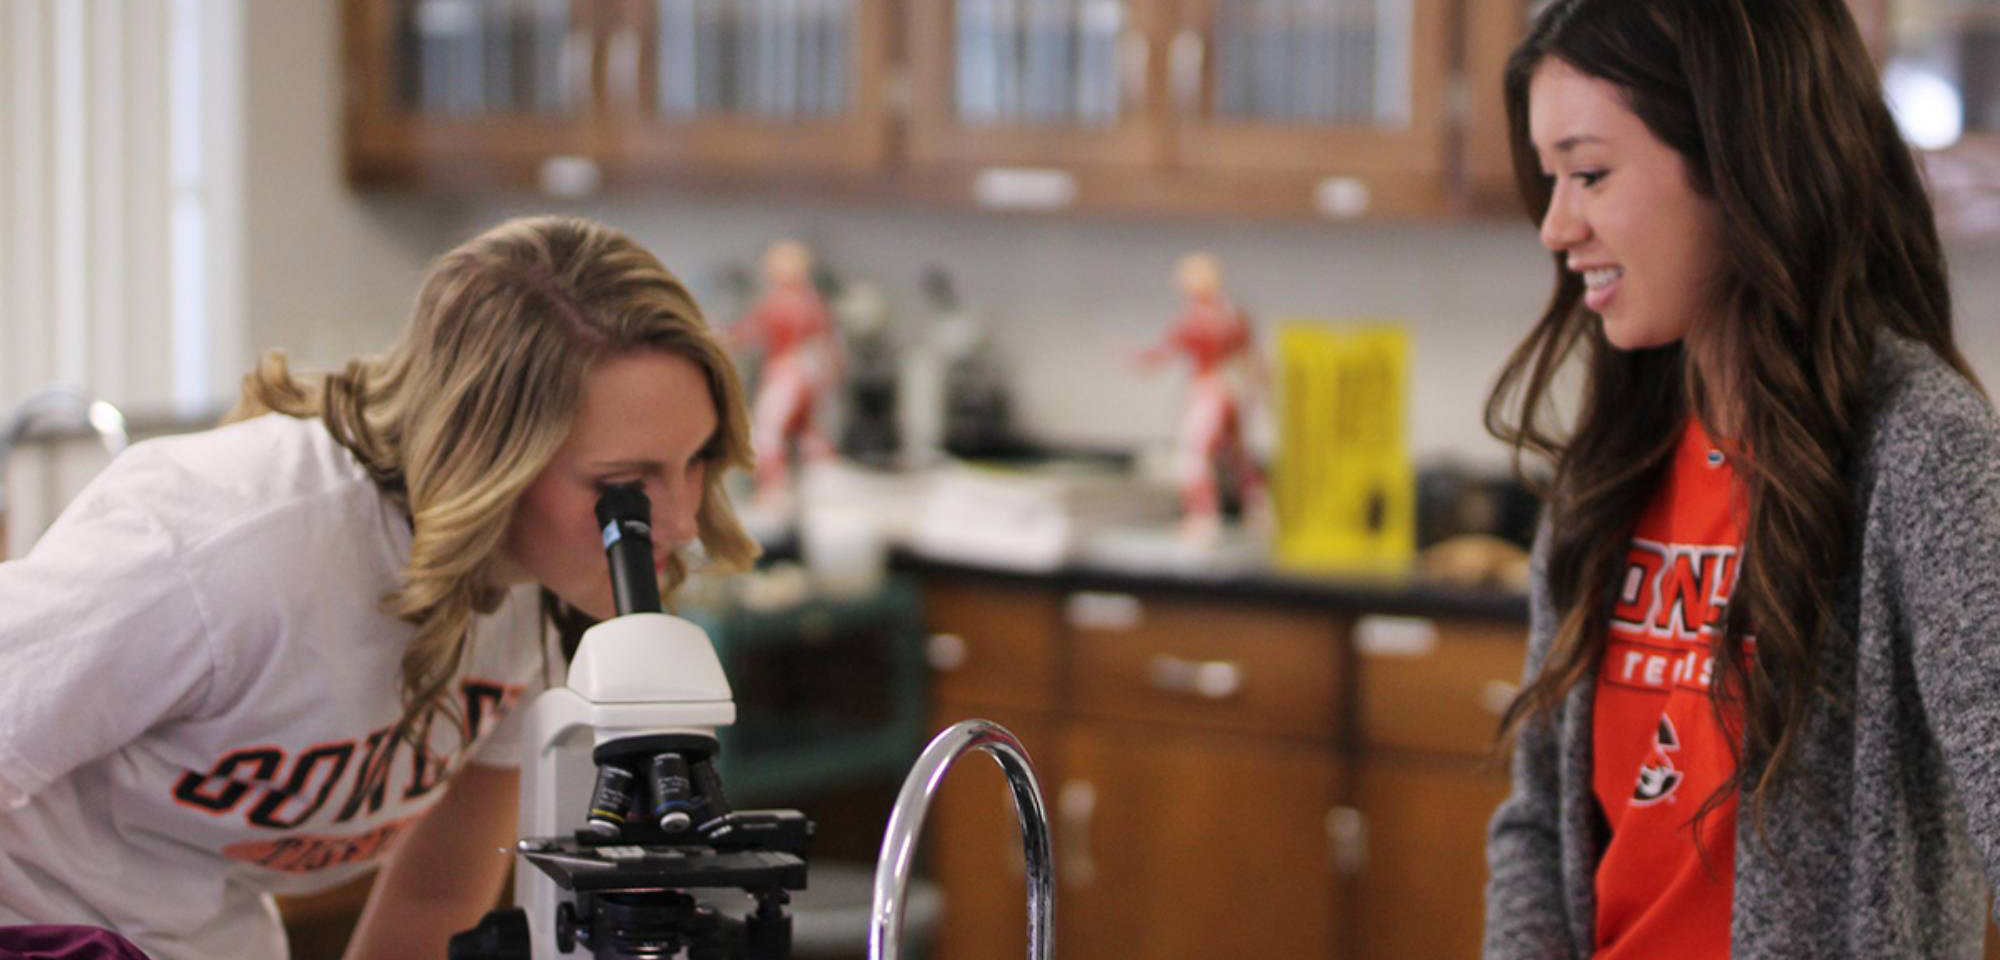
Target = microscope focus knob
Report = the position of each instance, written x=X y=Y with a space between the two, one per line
x=501 y=935
x=566 y=927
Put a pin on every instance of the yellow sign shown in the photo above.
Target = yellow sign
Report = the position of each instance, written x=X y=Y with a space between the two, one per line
x=1344 y=489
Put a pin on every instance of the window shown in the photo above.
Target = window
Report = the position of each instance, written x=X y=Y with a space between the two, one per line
x=120 y=200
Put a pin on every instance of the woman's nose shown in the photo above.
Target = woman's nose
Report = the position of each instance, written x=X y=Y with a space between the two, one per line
x=674 y=509
x=1562 y=228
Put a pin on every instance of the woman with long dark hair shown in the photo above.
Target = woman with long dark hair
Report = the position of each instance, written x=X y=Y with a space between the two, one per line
x=1762 y=711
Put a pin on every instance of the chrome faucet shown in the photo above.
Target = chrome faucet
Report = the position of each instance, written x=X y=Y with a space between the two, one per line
x=83 y=410
x=906 y=822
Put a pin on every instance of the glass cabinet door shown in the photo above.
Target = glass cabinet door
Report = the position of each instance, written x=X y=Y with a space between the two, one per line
x=487 y=89
x=997 y=82
x=1352 y=88
x=1297 y=63
x=748 y=83
x=470 y=58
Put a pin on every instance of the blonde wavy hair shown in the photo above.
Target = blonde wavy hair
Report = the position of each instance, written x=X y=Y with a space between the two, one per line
x=457 y=419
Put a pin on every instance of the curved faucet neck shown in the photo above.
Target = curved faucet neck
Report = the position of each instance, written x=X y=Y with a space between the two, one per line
x=906 y=823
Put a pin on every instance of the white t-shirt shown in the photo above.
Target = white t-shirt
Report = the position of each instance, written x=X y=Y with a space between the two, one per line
x=195 y=676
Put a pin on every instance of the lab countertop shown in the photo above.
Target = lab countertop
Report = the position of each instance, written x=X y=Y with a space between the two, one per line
x=1093 y=529
x=1393 y=595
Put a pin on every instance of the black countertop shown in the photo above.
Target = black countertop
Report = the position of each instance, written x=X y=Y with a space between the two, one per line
x=1400 y=596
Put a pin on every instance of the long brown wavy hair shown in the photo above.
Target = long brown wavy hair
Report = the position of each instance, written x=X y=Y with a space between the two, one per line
x=1775 y=108
x=456 y=420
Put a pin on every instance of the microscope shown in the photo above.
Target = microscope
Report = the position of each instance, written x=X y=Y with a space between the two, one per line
x=623 y=815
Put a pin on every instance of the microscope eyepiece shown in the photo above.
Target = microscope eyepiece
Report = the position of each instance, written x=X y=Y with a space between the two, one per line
x=623 y=502
x=623 y=512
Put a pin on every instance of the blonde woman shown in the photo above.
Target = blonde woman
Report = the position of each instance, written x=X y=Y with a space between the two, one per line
x=272 y=656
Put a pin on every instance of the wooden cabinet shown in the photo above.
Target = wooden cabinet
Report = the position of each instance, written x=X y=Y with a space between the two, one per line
x=1422 y=884
x=1331 y=108
x=1174 y=661
x=1200 y=766
x=1213 y=782
x=816 y=106
x=1183 y=845
x=993 y=654
x=429 y=96
x=992 y=644
x=563 y=95
x=1010 y=83
x=1429 y=697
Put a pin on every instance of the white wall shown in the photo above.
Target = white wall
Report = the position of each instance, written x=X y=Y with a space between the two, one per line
x=330 y=273
x=1068 y=300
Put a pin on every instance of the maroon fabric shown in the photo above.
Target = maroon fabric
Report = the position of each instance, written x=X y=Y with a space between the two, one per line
x=65 y=943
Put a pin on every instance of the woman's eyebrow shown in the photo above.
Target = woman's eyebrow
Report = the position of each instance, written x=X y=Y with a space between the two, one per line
x=1565 y=146
x=1573 y=141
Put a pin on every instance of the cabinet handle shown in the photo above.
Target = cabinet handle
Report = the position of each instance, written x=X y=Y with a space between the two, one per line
x=1184 y=64
x=1347 y=840
x=1076 y=803
x=1377 y=635
x=1206 y=679
x=1098 y=610
x=946 y=652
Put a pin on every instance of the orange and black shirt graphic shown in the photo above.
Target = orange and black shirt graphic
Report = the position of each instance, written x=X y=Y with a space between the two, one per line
x=1658 y=778
x=1663 y=888
x=332 y=785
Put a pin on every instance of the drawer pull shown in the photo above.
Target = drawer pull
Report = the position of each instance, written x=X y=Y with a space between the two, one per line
x=1347 y=840
x=1207 y=679
x=945 y=652
x=1076 y=804
x=1096 y=610
x=1497 y=695
x=1376 y=635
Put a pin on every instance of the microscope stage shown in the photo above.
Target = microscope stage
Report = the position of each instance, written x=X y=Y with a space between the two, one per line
x=627 y=868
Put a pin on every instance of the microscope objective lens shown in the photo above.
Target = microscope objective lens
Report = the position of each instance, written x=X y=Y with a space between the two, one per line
x=609 y=800
x=673 y=792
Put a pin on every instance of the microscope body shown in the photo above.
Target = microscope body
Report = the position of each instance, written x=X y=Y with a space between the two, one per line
x=638 y=675
x=622 y=812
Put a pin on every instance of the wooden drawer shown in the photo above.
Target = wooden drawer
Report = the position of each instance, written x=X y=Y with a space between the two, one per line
x=1214 y=664
x=991 y=643
x=1422 y=820
x=1435 y=685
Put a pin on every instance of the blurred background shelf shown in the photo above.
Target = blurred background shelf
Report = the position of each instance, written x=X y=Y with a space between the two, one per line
x=1303 y=108
x=1342 y=109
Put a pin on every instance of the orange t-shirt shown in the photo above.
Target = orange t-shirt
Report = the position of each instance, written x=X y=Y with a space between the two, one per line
x=1658 y=750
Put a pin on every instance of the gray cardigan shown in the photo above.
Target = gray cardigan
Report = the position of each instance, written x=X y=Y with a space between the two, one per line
x=1895 y=808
